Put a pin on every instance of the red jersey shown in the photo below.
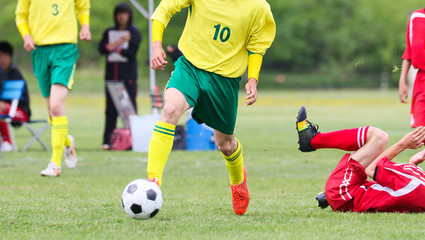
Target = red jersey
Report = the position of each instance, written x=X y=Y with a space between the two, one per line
x=415 y=40
x=397 y=187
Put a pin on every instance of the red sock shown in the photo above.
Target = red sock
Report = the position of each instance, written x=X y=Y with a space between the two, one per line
x=347 y=139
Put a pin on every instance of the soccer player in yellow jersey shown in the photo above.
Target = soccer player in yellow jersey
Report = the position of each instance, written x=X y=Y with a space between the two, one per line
x=220 y=39
x=49 y=29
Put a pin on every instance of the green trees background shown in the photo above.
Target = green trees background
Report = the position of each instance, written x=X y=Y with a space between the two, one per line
x=313 y=36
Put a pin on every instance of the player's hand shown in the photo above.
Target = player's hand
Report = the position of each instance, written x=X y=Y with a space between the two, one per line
x=418 y=158
x=251 y=91
x=403 y=91
x=29 y=44
x=85 y=34
x=158 y=56
x=414 y=139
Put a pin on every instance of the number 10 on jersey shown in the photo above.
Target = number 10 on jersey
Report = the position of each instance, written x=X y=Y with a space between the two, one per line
x=224 y=33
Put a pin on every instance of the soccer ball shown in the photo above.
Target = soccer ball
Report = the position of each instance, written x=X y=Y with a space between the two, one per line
x=141 y=199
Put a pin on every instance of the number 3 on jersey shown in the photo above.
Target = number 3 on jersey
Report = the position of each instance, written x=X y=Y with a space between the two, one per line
x=224 y=33
x=55 y=8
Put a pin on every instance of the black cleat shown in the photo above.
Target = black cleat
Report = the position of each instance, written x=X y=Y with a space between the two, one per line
x=306 y=131
x=321 y=199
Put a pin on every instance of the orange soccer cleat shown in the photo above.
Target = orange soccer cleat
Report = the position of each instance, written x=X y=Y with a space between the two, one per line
x=154 y=180
x=240 y=196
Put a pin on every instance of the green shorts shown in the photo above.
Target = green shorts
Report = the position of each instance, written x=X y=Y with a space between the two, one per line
x=54 y=64
x=214 y=98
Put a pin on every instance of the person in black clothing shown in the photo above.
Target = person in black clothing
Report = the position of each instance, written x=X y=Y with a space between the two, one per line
x=174 y=52
x=23 y=112
x=122 y=67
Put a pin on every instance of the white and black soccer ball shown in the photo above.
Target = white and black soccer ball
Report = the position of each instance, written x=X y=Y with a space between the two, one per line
x=141 y=199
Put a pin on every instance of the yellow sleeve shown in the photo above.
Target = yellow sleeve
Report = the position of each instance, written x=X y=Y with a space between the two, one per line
x=167 y=8
x=254 y=65
x=21 y=19
x=263 y=32
x=157 y=31
x=82 y=9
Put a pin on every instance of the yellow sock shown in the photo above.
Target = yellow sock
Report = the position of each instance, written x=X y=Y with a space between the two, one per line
x=59 y=133
x=234 y=164
x=68 y=141
x=159 y=149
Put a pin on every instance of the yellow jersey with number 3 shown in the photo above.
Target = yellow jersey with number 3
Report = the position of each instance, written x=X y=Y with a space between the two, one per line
x=219 y=34
x=52 y=21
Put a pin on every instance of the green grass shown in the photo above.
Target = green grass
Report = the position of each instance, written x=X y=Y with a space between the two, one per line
x=84 y=203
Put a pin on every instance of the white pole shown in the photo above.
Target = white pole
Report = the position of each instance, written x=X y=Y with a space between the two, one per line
x=152 y=78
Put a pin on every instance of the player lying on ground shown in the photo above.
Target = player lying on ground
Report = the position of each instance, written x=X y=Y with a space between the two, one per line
x=218 y=42
x=396 y=187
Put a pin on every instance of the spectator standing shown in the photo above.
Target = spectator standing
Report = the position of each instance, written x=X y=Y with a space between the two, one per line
x=23 y=112
x=123 y=67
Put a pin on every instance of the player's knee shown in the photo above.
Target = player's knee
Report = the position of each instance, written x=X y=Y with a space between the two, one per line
x=56 y=109
x=225 y=147
x=171 y=112
x=378 y=136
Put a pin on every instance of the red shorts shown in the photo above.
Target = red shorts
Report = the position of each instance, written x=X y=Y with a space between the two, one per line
x=344 y=184
x=417 y=111
x=397 y=187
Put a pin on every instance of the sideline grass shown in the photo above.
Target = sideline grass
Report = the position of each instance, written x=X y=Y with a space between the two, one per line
x=84 y=203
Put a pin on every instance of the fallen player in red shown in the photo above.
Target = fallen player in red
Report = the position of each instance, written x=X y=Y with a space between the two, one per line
x=395 y=187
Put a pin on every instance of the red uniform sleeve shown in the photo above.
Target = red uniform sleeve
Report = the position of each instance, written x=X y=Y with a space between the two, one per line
x=415 y=40
x=392 y=175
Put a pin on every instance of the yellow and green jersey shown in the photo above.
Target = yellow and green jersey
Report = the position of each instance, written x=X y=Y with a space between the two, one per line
x=219 y=34
x=52 y=21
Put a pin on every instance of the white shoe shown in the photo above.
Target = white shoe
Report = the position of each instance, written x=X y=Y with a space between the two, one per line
x=70 y=155
x=52 y=170
x=6 y=147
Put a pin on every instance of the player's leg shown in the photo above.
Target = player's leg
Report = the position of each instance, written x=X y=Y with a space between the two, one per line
x=61 y=62
x=163 y=133
x=417 y=111
x=56 y=106
x=310 y=139
x=57 y=101
x=376 y=142
x=231 y=149
x=368 y=142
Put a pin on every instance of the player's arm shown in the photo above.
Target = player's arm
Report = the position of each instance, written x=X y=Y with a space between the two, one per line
x=403 y=91
x=158 y=55
x=22 y=12
x=412 y=140
x=160 y=19
x=82 y=9
x=254 y=65
x=261 y=38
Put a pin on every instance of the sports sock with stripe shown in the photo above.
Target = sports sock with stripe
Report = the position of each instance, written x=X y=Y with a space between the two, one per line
x=159 y=149
x=347 y=139
x=234 y=164
x=59 y=134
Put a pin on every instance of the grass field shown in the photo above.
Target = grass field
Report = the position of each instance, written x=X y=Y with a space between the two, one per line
x=84 y=203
